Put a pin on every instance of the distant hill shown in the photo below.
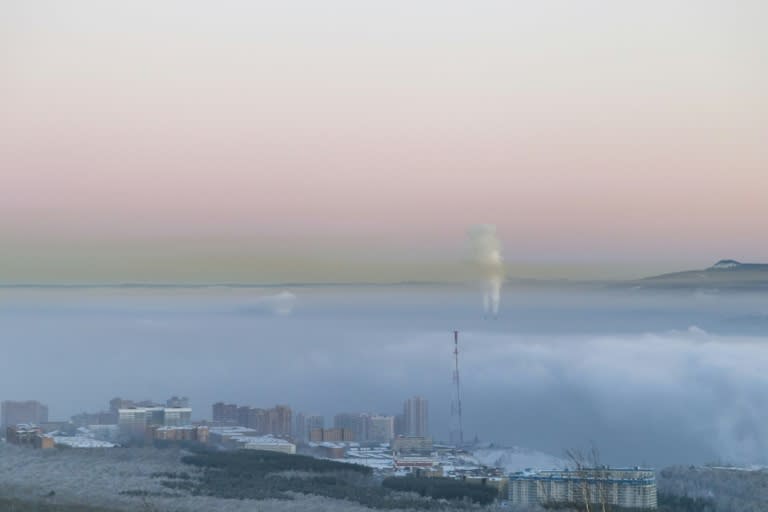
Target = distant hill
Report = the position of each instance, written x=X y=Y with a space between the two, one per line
x=725 y=274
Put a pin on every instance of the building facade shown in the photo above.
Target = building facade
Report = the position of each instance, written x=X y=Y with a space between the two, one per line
x=382 y=429
x=225 y=413
x=631 y=488
x=306 y=424
x=95 y=418
x=276 y=421
x=243 y=438
x=279 y=421
x=416 y=417
x=133 y=422
x=28 y=435
x=175 y=416
x=187 y=433
x=321 y=435
x=357 y=423
x=29 y=412
x=411 y=445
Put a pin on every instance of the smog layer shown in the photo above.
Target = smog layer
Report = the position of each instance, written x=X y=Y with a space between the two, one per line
x=680 y=374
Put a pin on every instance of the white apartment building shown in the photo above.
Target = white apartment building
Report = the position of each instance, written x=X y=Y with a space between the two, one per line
x=624 y=487
x=134 y=421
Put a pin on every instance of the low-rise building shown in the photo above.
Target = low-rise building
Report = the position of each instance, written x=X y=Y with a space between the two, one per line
x=329 y=450
x=269 y=443
x=243 y=438
x=26 y=434
x=81 y=442
x=411 y=444
x=421 y=466
x=110 y=433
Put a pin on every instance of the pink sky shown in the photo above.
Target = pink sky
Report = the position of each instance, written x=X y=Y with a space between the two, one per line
x=586 y=131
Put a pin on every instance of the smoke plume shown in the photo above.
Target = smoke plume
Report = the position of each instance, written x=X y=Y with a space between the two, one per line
x=486 y=254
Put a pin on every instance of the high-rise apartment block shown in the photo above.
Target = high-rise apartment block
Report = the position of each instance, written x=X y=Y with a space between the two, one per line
x=416 y=417
x=315 y=421
x=306 y=424
x=346 y=420
x=382 y=429
x=279 y=420
x=300 y=432
x=28 y=412
x=400 y=425
x=276 y=421
x=358 y=424
x=225 y=413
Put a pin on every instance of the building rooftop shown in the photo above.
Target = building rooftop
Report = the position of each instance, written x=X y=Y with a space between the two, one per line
x=25 y=427
x=263 y=440
x=635 y=476
x=81 y=442
x=247 y=436
x=180 y=427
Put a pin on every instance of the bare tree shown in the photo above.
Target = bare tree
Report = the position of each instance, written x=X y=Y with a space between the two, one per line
x=592 y=478
x=577 y=458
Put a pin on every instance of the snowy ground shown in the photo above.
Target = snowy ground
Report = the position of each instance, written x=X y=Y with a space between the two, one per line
x=511 y=459
x=96 y=477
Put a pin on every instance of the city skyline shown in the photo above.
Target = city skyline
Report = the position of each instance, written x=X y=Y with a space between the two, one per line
x=279 y=420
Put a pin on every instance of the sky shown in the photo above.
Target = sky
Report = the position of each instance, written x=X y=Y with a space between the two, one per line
x=357 y=141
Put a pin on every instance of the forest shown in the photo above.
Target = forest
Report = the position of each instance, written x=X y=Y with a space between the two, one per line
x=443 y=488
x=252 y=474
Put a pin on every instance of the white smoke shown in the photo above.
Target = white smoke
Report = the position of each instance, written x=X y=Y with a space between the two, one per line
x=279 y=304
x=283 y=303
x=485 y=251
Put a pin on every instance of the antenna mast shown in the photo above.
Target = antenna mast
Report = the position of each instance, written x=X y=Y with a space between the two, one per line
x=457 y=429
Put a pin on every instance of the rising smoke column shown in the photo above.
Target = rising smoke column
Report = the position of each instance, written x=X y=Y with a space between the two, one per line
x=485 y=251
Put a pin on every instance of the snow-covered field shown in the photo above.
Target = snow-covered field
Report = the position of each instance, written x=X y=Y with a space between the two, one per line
x=97 y=476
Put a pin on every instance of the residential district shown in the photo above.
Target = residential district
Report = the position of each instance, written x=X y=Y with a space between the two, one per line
x=391 y=444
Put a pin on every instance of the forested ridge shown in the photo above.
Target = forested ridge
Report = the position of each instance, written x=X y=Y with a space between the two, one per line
x=263 y=475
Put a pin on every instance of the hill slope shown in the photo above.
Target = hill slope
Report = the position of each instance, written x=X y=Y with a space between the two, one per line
x=725 y=274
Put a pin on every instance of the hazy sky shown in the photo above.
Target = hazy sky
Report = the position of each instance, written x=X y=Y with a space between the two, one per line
x=137 y=137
